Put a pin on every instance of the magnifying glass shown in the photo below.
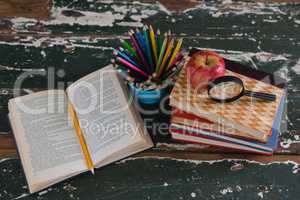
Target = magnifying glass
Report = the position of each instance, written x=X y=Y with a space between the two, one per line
x=230 y=88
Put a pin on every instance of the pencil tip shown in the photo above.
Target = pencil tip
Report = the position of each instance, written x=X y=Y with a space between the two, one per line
x=93 y=171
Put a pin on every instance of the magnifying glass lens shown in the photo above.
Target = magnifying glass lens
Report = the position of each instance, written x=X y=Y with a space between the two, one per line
x=226 y=90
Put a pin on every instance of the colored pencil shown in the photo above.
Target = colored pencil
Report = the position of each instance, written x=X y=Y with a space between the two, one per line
x=127 y=46
x=161 y=55
x=131 y=66
x=138 y=48
x=175 y=52
x=149 y=60
x=172 y=70
x=167 y=54
x=140 y=41
x=134 y=57
x=159 y=42
x=148 y=48
x=153 y=42
x=178 y=57
x=140 y=38
x=126 y=57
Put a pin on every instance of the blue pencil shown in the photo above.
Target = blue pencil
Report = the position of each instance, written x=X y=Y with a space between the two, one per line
x=139 y=50
x=126 y=57
x=140 y=39
x=148 y=48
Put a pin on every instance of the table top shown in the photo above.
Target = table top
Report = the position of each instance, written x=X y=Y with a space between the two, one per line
x=76 y=38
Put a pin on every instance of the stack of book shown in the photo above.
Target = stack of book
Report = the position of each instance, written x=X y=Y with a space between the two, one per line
x=245 y=125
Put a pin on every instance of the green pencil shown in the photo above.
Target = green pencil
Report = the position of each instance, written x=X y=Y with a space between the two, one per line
x=127 y=46
x=164 y=61
x=161 y=55
x=158 y=37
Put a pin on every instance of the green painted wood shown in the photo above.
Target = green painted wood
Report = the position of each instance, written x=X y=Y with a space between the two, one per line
x=163 y=179
x=263 y=36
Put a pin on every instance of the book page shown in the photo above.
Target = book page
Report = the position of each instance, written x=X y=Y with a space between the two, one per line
x=46 y=139
x=104 y=113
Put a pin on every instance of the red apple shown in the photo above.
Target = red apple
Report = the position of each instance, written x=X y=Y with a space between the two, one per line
x=203 y=67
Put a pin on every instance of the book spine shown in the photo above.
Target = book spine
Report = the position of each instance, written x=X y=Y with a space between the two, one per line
x=231 y=150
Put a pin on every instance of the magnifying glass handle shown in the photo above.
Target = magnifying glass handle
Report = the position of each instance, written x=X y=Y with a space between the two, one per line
x=260 y=95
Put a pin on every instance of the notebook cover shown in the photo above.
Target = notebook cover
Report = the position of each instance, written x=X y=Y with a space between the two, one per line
x=247 y=114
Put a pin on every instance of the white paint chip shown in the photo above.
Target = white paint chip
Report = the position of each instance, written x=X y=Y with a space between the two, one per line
x=89 y=18
x=296 y=68
x=193 y=195
x=261 y=195
x=43 y=53
x=297 y=21
x=130 y=24
x=238 y=188
x=226 y=191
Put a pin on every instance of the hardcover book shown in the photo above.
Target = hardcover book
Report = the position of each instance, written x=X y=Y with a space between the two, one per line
x=246 y=125
x=188 y=119
x=186 y=133
x=251 y=116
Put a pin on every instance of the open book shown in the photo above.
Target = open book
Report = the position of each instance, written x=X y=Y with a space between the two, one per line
x=48 y=141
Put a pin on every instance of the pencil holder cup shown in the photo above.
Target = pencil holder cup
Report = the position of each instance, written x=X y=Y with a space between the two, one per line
x=152 y=96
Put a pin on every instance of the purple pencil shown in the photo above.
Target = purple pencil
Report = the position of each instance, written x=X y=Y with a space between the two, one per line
x=139 y=51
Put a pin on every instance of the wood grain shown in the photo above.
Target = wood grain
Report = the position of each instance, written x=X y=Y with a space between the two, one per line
x=185 y=155
x=39 y=9
x=8 y=150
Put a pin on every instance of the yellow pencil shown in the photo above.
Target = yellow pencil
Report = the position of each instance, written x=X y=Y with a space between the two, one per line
x=176 y=50
x=81 y=139
x=153 y=43
x=168 y=51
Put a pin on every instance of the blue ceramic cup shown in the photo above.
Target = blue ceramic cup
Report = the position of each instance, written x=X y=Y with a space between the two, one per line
x=148 y=96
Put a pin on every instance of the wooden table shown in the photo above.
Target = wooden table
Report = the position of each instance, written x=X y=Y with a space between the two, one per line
x=77 y=38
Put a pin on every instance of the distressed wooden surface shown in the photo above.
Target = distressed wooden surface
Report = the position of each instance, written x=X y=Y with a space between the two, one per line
x=38 y=9
x=77 y=38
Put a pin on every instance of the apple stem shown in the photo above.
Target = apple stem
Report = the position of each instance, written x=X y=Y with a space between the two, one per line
x=206 y=60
